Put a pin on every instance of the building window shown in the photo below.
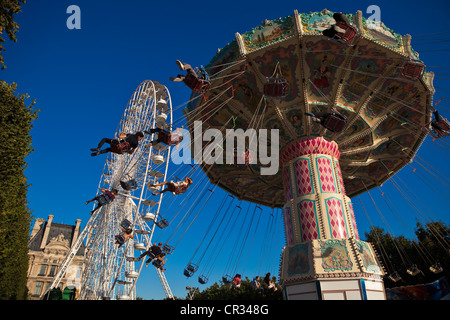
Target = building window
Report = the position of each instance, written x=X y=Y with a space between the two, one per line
x=52 y=271
x=37 y=289
x=43 y=269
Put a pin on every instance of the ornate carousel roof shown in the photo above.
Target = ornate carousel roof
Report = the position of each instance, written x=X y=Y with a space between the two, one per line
x=386 y=109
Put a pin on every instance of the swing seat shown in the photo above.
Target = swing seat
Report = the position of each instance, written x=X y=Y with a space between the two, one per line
x=164 y=136
x=348 y=36
x=202 y=279
x=167 y=249
x=162 y=223
x=335 y=122
x=395 y=277
x=196 y=84
x=187 y=273
x=436 y=268
x=104 y=199
x=226 y=279
x=413 y=271
x=126 y=224
x=129 y=185
x=192 y=267
x=121 y=147
x=179 y=189
x=444 y=124
x=156 y=263
x=276 y=88
x=120 y=239
x=413 y=69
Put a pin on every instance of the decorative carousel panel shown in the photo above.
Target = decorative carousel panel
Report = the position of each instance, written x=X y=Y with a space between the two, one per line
x=336 y=219
x=368 y=257
x=303 y=177
x=324 y=167
x=308 y=220
x=366 y=67
x=335 y=256
x=299 y=261
x=324 y=60
x=378 y=32
x=270 y=32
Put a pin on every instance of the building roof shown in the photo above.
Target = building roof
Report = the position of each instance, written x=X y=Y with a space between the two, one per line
x=55 y=230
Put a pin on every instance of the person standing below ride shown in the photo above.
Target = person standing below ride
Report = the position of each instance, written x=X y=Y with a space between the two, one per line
x=269 y=283
x=174 y=187
x=126 y=143
x=267 y=279
x=257 y=286
x=166 y=137
x=237 y=281
x=105 y=198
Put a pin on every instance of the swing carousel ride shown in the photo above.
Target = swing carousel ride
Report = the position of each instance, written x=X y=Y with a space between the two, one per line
x=351 y=102
x=351 y=111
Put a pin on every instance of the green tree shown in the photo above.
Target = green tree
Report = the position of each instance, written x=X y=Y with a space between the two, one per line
x=7 y=10
x=397 y=254
x=15 y=145
x=245 y=292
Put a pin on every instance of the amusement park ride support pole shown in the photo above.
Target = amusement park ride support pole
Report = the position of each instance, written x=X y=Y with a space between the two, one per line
x=324 y=257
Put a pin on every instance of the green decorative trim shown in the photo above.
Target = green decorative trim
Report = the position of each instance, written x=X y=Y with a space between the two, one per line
x=286 y=25
x=397 y=37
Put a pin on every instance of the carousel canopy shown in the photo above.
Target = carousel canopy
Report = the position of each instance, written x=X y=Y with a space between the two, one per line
x=376 y=81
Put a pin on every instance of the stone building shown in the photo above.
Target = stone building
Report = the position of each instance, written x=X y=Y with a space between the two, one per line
x=48 y=246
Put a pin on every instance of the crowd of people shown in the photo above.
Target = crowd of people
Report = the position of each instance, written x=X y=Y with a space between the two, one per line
x=261 y=287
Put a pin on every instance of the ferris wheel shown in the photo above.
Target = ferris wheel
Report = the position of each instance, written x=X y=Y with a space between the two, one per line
x=111 y=270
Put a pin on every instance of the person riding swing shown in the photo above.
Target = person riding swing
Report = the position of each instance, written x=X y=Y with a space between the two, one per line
x=198 y=80
x=333 y=121
x=343 y=31
x=166 y=137
x=105 y=198
x=174 y=187
x=126 y=143
x=440 y=125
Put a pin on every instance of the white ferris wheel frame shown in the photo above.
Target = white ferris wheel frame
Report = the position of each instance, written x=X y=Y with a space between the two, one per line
x=107 y=273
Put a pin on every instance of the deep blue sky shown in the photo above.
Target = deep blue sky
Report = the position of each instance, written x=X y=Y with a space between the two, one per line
x=82 y=81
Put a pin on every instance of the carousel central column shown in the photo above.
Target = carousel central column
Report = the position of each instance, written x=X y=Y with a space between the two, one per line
x=324 y=257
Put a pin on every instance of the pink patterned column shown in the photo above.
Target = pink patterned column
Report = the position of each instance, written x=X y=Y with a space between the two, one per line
x=316 y=205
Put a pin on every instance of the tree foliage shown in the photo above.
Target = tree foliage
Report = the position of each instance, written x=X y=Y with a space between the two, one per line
x=7 y=10
x=399 y=253
x=15 y=145
x=245 y=292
